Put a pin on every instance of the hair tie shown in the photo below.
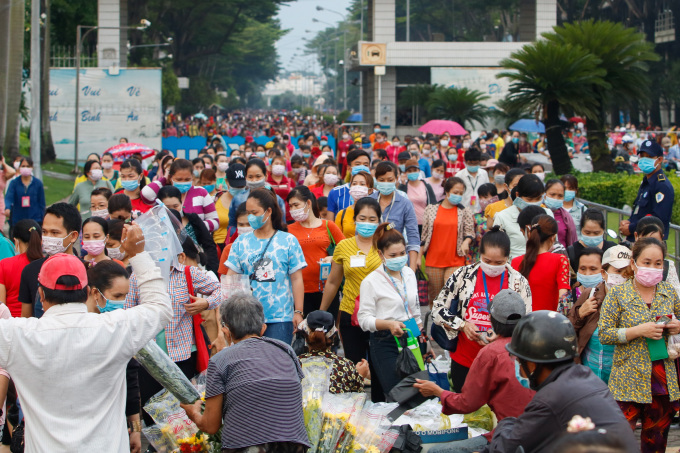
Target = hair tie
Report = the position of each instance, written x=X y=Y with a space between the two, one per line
x=389 y=226
x=31 y=229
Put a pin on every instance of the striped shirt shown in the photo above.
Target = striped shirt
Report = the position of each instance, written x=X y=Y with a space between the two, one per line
x=179 y=333
x=197 y=201
x=260 y=380
x=353 y=275
x=339 y=198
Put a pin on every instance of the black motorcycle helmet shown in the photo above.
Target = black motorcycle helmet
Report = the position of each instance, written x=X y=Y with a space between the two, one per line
x=543 y=337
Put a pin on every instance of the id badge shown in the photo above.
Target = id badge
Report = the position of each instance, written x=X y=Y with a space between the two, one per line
x=473 y=200
x=263 y=271
x=324 y=271
x=25 y=202
x=357 y=261
x=412 y=325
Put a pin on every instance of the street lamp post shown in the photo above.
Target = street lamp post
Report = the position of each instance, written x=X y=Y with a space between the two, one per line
x=80 y=37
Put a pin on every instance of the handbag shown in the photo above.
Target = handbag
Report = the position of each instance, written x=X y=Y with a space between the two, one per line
x=422 y=287
x=439 y=378
x=355 y=319
x=410 y=358
x=202 y=353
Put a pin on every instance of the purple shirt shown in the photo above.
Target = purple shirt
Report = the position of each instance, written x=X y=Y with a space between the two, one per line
x=566 y=230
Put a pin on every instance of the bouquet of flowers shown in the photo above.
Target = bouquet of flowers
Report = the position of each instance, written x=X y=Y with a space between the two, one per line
x=200 y=443
x=163 y=369
x=371 y=432
x=337 y=410
x=317 y=372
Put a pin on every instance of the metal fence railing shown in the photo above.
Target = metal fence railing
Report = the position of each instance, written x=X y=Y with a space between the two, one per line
x=673 y=242
x=65 y=57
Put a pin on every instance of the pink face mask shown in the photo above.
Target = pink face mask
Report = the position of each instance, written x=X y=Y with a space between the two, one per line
x=358 y=192
x=94 y=248
x=647 y=276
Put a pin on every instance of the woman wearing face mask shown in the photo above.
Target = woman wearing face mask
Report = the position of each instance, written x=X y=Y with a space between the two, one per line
x=651 y=226
x=197 y=167
x=597 y=273
x=396 y=208
x=255 y=173
x=446 y=223
x=277 y=177
x=313 y=177
x=221 y=165
x=436 y=181
x=454 y=161
x=592 y=235
x=195 y=199
x=317 y=239
x=242 y=228
x=164 y=167
x=28 y=248
x=99 y=202
x=114 y=248
x=394 y=148
x=499 y=171
x=486 y=195
x=547 y=273
x=505 y=199
x=328 y=180
x=635 y=317
x=133 y=182
x=360 y=186
x=92 y=156
x=529 y=191
x=95 y=236
x=25 y=197
x=554 y=200
x=108 y=285
x=388 y=299
x=538 y=170
x=274 y=261
x=353 y=259
x=208 y=181
x=574 y=207
x=418 y=191
x=473 y=287
x=81 y=194
x=107 y=168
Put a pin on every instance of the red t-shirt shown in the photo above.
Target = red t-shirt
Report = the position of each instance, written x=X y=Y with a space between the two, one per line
x=549 y=275
x=139 y=205
x=10 y=276
x=477 y=313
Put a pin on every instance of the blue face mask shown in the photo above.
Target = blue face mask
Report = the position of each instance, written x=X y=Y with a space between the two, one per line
x=402 y=167
x=323 y=143
x=385 y=188
x=359 y=168
x=396 y=264
x=256 y=221
x=591 y=241
x=521 y=203
x=524 y=382
x=451 y=157
x=306 y=155
x=413 y=176
x=236 y=191
x=366 y=229
x=472 y=168
x=130 y=186
x=589 y=281
x=646 y=165
x=183 y=187
x=209 y=188
x=515 y=140
x=553 y=203
x=455 y=199
x=111 y=305
x=569 y=195
x=260 y=154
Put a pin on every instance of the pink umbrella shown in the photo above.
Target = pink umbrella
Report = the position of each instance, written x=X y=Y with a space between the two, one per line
x=438 y=127
x=121 y=151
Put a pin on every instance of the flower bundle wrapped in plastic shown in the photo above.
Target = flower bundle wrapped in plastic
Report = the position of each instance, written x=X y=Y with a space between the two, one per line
x=172 y=422
x=317 y=372
x=200 y=443
x=369 y=431
x=337 y=410
x=163 y=369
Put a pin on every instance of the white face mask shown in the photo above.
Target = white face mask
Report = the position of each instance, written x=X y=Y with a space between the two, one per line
x=358 y=192
x=437 y=175
x=278 y=170
x=614 y=279
x=244 y=230
x=115 y=253
x=491 y=270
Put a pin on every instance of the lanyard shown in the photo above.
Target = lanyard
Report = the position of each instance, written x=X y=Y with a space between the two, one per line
x=486 y=290
x=404 y=297
x=386 y=214
x=474 y=186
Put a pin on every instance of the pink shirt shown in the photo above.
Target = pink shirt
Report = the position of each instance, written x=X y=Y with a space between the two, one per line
x=418 y=196
x=436 y=187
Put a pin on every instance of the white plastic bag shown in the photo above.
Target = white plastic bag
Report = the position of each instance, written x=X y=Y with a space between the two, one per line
x=160 y=238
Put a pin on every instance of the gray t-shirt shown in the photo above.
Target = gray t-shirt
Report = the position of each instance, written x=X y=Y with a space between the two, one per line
x=260 y=380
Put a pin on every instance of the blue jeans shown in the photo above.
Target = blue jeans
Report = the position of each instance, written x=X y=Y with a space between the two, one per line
x=280 y=331
x=384 y=354
x=470 y=445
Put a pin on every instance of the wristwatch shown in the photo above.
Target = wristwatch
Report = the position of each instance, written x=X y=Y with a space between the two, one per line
x=300 y=313
x=136 y=426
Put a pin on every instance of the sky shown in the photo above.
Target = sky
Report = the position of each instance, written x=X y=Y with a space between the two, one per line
x=297 y=16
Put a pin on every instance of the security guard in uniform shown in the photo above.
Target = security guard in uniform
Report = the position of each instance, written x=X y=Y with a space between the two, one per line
x=655 y=196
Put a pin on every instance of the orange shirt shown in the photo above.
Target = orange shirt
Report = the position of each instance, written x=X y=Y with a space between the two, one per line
x=314 y=242
x=442 y=250
x=223 y=269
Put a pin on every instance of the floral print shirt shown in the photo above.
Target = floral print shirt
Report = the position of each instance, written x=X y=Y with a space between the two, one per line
x=344 y=376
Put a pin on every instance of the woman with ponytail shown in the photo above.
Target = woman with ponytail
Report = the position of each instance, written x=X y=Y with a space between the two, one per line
x=548 y=273
x=28 y=245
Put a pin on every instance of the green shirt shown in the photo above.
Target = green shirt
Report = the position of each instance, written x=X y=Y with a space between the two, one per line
x=81 y=195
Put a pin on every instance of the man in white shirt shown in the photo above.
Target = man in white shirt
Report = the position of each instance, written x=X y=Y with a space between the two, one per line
x=69 y=366
x=472 y=177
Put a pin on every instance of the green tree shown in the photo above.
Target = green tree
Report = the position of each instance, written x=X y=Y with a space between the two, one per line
x=623 y=55
x=461 y=105
x=171 y=92
x=546 y=79
x=415 y=97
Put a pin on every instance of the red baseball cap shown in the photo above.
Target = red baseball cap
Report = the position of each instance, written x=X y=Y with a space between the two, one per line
x=59 y=265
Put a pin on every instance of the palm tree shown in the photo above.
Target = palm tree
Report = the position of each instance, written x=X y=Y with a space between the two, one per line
x=546 y=79
x=415 y=97
x=14 y=75
x=623 y=55
x=461 y=105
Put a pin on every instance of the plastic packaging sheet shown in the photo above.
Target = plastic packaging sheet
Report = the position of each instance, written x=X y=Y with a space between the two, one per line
x=163 y=369
x=172 y=422
x=232 y=284
x=161 y=237
x=317 y=372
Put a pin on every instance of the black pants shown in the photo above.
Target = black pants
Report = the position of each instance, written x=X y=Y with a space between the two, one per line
x=458 y=375
x=148 y=386
x=312 y=302
x=356 y=344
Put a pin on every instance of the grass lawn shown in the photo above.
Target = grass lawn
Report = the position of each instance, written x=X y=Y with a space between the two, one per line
x=613 y=223
x=57 y=189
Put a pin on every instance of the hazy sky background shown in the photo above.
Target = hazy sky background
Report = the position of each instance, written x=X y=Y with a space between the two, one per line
x=297 y=16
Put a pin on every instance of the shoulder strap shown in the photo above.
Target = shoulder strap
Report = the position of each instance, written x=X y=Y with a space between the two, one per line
x=342 y=218
x=330 y=236
x=666 y=266
x=190 y=282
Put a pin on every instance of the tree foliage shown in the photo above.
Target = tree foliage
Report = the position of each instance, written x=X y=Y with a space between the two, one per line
x=461 y=105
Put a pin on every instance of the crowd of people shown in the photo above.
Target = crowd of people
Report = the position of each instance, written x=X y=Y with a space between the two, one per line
x=349 y=245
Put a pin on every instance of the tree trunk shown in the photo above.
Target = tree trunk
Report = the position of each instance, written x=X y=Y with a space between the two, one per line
x=597 y=142
x=47 y=153
x=16 y=64
x=635 y=114
x=614 y=112
x=4 y=67
x=655 y=112
x=556 y=144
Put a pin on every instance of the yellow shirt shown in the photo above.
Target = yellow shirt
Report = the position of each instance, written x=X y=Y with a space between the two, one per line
x=347 y=225
x=495 y=208
x=220 y=235
x=353 y=275
x=499 y=146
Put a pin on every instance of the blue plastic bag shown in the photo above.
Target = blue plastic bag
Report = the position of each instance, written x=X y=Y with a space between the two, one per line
x=438 y=377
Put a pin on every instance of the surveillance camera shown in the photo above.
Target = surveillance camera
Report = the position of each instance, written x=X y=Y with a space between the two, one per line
x=145 y=23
